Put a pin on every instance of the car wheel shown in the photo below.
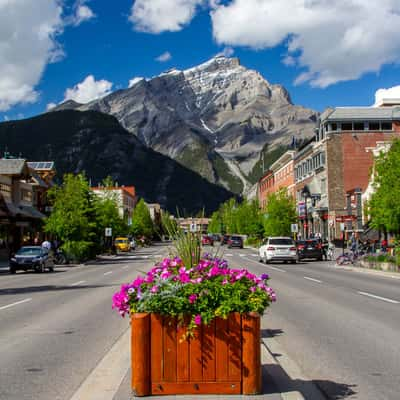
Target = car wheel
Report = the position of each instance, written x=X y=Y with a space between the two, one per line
x=51 y=269
x=39 y=268
x=319 y=259
x=12 y=270
x=261 y=260
x=293 y=262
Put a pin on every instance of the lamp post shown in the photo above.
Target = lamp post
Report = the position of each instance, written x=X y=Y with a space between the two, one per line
x=306 y=194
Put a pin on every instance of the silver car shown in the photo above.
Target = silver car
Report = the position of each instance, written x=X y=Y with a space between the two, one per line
x=278 y=249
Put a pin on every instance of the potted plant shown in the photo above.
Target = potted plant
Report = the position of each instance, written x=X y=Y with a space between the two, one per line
x=195 y=327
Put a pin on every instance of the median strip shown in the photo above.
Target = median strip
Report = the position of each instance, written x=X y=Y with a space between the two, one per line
x=14 y=304
x=312 y=279
x=379 y=297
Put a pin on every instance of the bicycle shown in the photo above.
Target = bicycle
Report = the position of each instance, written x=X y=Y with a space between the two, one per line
x=329 y=254
x=346 y=258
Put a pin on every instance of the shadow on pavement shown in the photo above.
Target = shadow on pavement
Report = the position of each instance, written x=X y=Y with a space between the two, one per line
x=271 y=332
x=49 y=288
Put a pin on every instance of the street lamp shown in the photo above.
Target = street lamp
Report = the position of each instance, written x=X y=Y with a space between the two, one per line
x=306 y=194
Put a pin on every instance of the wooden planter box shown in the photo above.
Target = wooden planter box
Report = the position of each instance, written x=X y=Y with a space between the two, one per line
x=222 y=358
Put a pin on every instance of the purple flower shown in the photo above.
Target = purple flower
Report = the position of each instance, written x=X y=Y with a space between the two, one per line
x=264 y=276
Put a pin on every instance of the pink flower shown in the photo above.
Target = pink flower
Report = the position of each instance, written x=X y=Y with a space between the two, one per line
x=197 y=319
x=192 y=298
x=154 y=289
x=253 y=289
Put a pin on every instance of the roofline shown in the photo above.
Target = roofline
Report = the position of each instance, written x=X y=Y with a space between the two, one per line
x=280 y=162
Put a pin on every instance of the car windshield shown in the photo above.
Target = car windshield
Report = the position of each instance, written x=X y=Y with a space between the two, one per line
x=236 y=238
x=281 y=242
x=121 y=241
x=29 y=251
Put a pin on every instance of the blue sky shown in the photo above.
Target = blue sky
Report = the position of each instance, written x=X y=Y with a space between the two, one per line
x=321 y=62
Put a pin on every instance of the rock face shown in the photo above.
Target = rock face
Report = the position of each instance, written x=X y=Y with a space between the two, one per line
x=97 y=144
x=215 y=118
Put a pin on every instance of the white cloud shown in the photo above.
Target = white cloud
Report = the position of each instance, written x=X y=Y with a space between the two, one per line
x=333 y=40
x=82 y=13
x=50 y=106
x=164 y=57
x=226 y=52
x=387 y=94
x=89 y=89
x=157 y=16
x=28 y=29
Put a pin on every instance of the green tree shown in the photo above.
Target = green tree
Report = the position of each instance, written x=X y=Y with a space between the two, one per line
x=73 y=217
x=248 y=219
x=142 y=224
x=215 y=224
x=384 y=207
x=280 y=213
x=106 y=210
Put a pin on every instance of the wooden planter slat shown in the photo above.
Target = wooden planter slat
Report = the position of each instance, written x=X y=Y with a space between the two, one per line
x=222 y=358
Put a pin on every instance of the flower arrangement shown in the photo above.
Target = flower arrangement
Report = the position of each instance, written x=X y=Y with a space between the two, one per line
x=201 y=292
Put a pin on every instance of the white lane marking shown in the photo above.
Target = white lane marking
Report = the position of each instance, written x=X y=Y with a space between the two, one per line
x=275 y=269
x=229 y=255
x=125 y=267
x=242 y=255
x=108 y=273
x=254 y=255
x=77 y=283
x=312 y=279
x=14 y=304
x=395 y=277
x=379 y=297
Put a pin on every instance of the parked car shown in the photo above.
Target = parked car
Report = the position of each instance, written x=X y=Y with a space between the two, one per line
x=235 y=241
x=278 y=249
x=32 y=257
x=122 y=244
x=310 y=248
x=207 y=240
x=216 y=237
x=225 y=239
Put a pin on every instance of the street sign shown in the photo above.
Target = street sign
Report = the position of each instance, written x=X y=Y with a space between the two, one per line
x=342 y=226
x=294 y=228
x=108 y=232
x=193 y=227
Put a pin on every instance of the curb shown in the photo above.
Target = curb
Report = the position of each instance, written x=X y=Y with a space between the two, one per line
x=287 y=375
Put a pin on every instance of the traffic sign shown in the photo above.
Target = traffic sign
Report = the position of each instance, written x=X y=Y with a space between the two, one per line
x=108 y=232
x=294 y=228
x=193 y=227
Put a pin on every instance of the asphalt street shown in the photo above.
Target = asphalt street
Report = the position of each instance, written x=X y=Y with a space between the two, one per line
x=341 y=327
x=56 y=327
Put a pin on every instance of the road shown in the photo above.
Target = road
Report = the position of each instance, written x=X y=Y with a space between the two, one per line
x=55 y=328
x=341 y=327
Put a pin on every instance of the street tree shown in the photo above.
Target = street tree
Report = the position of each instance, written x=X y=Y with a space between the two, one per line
x=280 y=213
x=142 y=224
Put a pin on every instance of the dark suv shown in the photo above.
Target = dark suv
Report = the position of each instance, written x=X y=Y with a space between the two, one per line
x=32 y=257
x=235 y=241
x=310 y=248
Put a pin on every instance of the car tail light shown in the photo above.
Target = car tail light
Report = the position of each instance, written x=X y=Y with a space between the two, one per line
x=300 y=246
x=270 y=248
x=319 y=246
x=293 y=249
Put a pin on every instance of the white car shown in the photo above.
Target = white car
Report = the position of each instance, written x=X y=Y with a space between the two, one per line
x=132 y=244
x=278 y=249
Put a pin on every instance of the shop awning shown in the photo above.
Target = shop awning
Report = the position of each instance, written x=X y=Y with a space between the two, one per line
x=31 y=212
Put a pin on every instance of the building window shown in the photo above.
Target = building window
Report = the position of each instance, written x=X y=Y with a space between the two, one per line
x=347 y=126
x=358 y=126
x=26 y=195
x=5 y=190
x=386 y=126
x=334 y=126
x=323 y=186
x=374 y=126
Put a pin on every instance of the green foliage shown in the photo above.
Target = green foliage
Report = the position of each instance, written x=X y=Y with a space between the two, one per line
x=384 y=206
x=280 y=213
x=142 y=224
x=79 y=217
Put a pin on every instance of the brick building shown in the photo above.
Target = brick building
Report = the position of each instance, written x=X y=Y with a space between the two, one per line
x=280 y=175
x=336 y=165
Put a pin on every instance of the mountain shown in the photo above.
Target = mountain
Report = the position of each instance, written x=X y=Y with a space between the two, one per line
x=97 y=144
x=216 y=119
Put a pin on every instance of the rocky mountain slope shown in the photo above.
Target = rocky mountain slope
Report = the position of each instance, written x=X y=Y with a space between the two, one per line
x=97 y=144
x=215 y=118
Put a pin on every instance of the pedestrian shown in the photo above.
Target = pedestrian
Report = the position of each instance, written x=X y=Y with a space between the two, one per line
x=46 y=245
x=384 y=245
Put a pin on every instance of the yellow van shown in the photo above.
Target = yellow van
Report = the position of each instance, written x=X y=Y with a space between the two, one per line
x=122 y=244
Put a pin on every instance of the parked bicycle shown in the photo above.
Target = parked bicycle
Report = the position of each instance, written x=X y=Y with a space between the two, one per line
x=347 y=258
x=60 y=258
